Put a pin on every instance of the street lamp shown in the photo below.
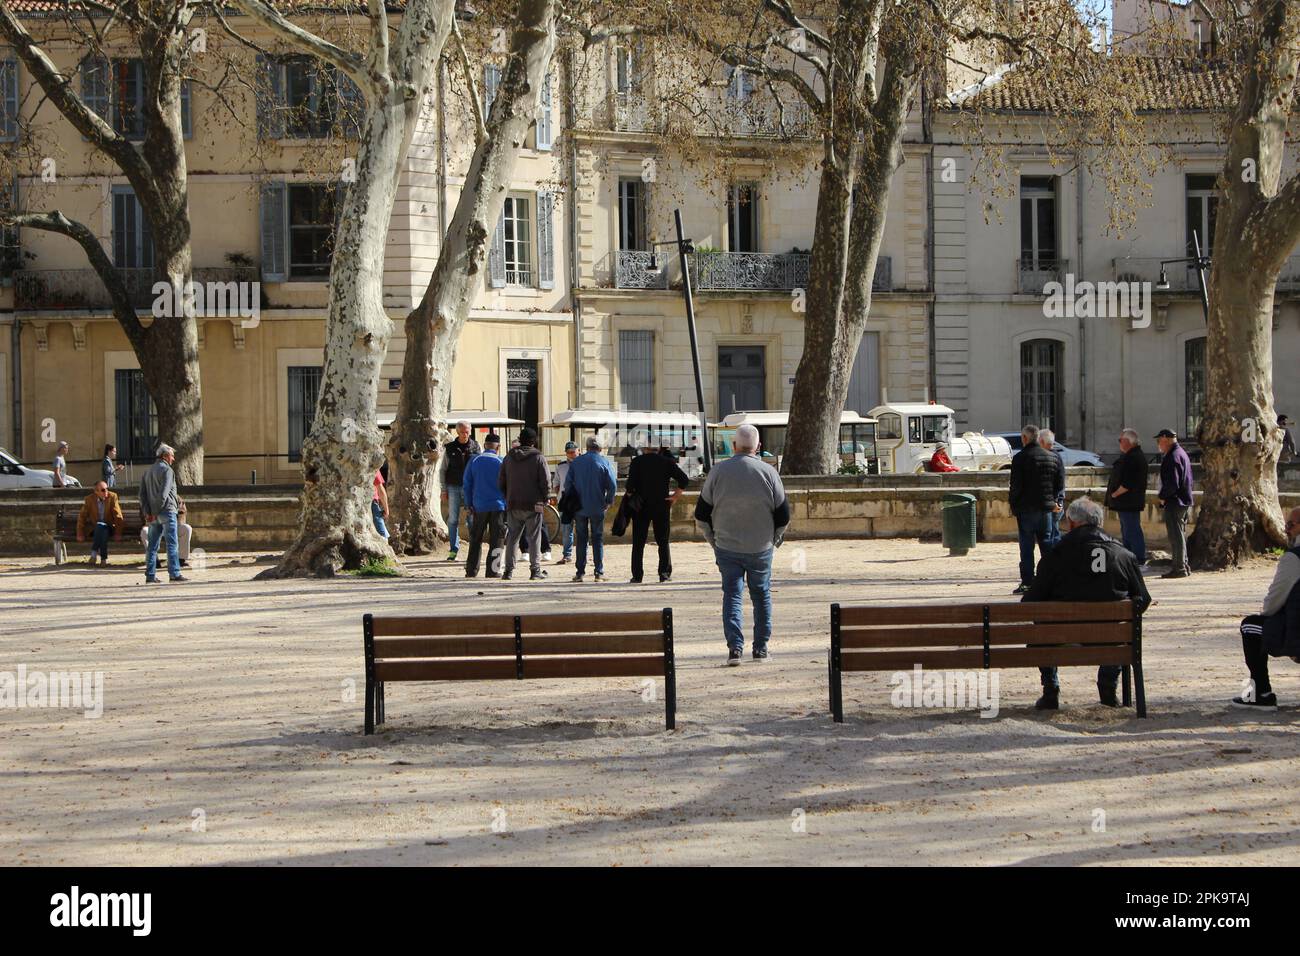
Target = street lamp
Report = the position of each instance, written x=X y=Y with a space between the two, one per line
x=1202 y=264
x=684 y=248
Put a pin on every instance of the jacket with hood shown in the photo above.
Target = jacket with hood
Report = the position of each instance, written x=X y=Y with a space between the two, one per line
x=524 y=478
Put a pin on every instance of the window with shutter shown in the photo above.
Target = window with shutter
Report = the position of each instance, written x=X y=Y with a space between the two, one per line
x=491 y=83
x=132 y=240
x=313 y=216
x=497 y=254
x=304 y=390
x=636 y=368
x=275 y=227
x=187 y=116
x=545 y=240
x=94 y=84
x=544 y=116
x=10 y=250
x=9 y=99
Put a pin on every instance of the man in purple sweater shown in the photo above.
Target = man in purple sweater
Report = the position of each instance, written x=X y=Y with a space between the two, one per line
x=1175 y=498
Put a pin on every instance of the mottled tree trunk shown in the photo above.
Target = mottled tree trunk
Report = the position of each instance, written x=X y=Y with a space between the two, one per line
x=434 y=327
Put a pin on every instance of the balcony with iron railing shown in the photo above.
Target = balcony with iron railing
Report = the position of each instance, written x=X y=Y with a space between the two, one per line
x=713 y=271
x=1032 y=275
x=63 y=289
x=758 y=115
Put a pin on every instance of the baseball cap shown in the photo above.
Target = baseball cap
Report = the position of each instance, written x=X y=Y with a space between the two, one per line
x=570 y=446
x=1166 y=433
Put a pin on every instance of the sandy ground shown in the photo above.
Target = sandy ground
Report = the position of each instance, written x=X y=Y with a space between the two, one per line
x=228 y=735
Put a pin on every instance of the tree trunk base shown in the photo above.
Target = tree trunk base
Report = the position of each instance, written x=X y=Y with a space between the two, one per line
x=325 y=556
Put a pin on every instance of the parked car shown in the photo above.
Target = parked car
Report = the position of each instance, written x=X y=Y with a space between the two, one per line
x=1070 y=456
x=13 y=474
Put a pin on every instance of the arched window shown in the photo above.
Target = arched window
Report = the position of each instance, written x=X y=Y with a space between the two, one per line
x=1193 y=385
x=1041 y=378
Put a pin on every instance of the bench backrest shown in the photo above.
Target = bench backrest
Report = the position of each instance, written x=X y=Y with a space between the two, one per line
x=524 y=646
x=972 y=636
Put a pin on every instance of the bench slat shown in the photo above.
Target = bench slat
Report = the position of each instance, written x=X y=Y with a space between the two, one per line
x=1114 y=632
x=883 y=637
x=396 y=648
x=595 y=622
x=406 y=647
x=500 y=669
x=436 y=626
x=1058 y=656
x=625 y=665
x=862 y=614
x=904 y=660
x=1061 y=611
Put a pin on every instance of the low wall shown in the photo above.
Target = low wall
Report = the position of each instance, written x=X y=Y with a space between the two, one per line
x=258 y=518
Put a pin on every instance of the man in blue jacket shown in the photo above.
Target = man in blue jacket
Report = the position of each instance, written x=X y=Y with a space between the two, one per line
x=487 y=508
x=593 y=478
x=1175 y=498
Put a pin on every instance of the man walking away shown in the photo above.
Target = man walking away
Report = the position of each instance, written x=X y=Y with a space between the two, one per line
x=101 y=515
x=108 y=468
x=158 y=504
x=1126 y=492
x=1175 y=498
x=1087 y=565
x=593 y=478
x=1047 y=439
x=560 y=473
x=1036 y=474
x=487 y=508
x=1275 y=630
x=743 y=513
x=1288 y=440
x=457 y=454
x=61 y=465
x=526 y=484
x=649 y=476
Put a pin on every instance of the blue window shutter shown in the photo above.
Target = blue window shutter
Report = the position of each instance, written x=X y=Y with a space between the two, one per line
x=187 y=114
x=9 y=92
x=497 y=254
x=545 y=240
x=94 y=84
x=352 y=106
x=275 y=229
x=544 y=136
x=491 y=83
x=269 y=92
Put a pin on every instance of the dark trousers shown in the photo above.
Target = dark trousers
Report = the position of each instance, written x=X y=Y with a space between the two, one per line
x=1130 y=528
x=1252 y=646
x=493 y=523
x=1033 y=526
x=99 y=539
x=641 y=522
x=1107 y=676
x=1176 y=526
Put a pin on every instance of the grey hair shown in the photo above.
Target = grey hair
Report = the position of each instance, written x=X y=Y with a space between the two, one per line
x=1132 y=435
x=63 y=444
x=1046 y=435
x=164 y=450
x=465 y=423
x=746 y=439
x=1085 y=511
x=593 y=443
x=1030 y=432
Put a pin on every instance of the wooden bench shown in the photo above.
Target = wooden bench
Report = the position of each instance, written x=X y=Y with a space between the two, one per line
x=518 y=647
x=65 y=530
x=983 y=636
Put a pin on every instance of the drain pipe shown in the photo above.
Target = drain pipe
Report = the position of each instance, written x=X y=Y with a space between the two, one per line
x=16 y=428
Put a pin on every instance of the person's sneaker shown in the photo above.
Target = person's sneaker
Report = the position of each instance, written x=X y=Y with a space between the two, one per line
x=1109 y=696
x=94 y=559
x=1176 y=573
x=546 y=555
x=1022 y=589
x=507 y=575
x=451 y=555
x=578 y=576
x=665 y=578
x=473 y=574
x=598 y=577
x=563 y=560
x=179 y=577
x=1051 y=699
x=185 y=563
x=537 y=575
x=152 y=581
x=1262 y=702
x=734 y=655
x=103 y=560
x=760 y=655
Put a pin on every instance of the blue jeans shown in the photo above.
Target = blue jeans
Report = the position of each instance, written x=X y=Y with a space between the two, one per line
x=592 y=529
x=1130 y=531
x=377 y=513
x=1107 y=676
x=455 y=502
x=1033 y=526
x=164 y=523
x=755 y=570
x=566 y=538
x=99 y=539
x=1054 y=534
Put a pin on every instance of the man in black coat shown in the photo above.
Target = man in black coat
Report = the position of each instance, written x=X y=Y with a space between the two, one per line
x=1126 y=492
x=1087 y=565
x=648 y=477
x=1036 y=476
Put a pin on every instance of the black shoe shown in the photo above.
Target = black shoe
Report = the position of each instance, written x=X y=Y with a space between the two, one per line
x=185 y=563
x=760 y=654
x=1108 y=695
x=1262 y=702
x=1051 y=699
x=634 y=581
x=734 y=655
x=152 y=581
x=507 y=575
x=473 y=574
x=665 y=578
x=1021 y=590
x=537 y=575
x=179 y=577
x=1176 y=573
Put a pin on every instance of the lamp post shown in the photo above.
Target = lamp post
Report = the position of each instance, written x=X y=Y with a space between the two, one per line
x=1202 y=264
x=685 y=246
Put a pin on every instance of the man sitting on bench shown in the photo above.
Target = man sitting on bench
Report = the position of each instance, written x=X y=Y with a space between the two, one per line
x=1275 y=630
x=1087 y=565
x=101 y=515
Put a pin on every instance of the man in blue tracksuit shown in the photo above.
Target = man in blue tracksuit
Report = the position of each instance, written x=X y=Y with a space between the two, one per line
x=593 y=477
x=487 y=508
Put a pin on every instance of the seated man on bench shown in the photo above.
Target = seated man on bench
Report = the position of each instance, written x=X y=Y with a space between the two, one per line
x=1087 y=565
x=1275 y=630
x=101 y=515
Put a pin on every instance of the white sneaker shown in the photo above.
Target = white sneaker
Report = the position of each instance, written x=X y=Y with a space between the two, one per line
x=546 y=556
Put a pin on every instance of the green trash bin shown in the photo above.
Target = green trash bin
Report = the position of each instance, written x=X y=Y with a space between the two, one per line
x=958 y=522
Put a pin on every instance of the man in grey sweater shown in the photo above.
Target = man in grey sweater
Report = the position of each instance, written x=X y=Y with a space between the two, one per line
x=158 y=504
x=743 y=512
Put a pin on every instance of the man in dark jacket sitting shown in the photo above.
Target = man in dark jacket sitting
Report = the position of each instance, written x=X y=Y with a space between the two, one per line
x=1087 y=565
x=1275 y=630
x=1036 y=477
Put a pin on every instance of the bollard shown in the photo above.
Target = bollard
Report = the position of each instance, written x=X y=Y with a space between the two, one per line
x=958 y=523
x=254 y=478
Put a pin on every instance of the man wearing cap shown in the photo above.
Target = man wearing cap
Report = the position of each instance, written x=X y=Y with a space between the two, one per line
x=1288 y=440
x=593 y=478
x=557 y=489
x=1175 y=498
x=525 y=482
x=487 y=508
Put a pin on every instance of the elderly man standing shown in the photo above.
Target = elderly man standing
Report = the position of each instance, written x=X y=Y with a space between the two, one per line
x=1036 y=474
x=525 y=481
x=1047 y=439
x=487 y=508
x=560 y=473
x=1126 y=493
x=1275 y=630
x=101 y=515
x=457 y=453
x=158 y=504
x=743 y=513
x=593 y=478
x=1175 y=498
x=1087 y=565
